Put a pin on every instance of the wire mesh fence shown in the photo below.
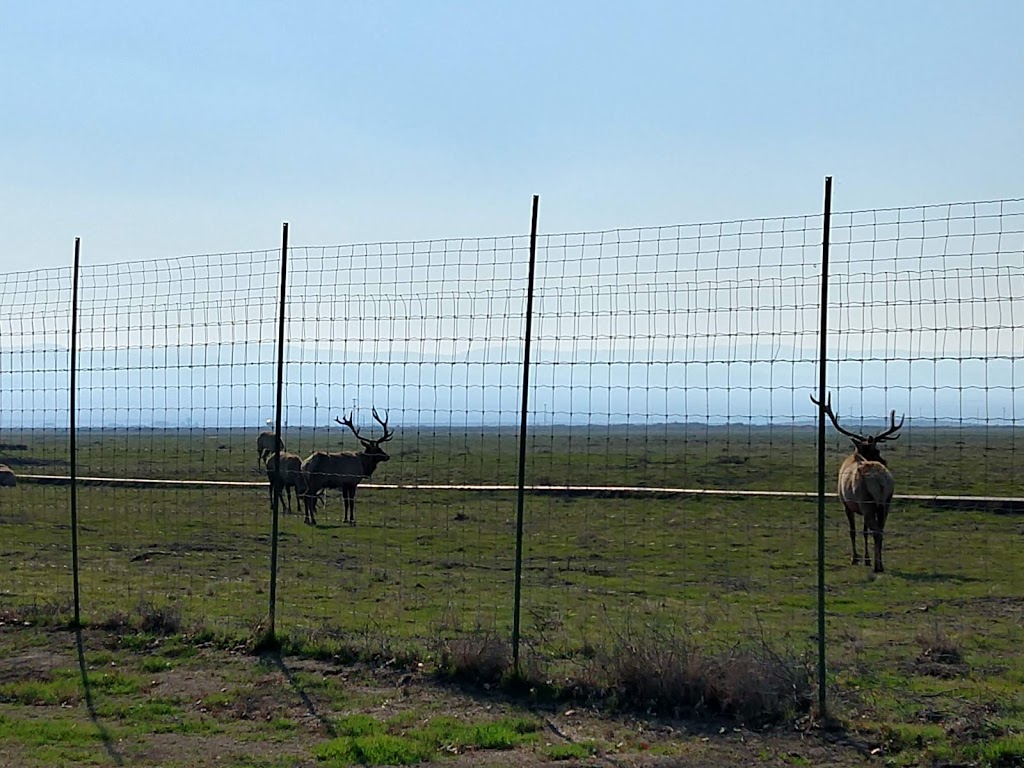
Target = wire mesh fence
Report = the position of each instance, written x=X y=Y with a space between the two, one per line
x=927 y=323
x=671 y=444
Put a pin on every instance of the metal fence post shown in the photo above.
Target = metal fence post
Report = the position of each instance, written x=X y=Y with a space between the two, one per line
x=72 y=445
x=272 y=629
x=822 y=385
x=524 y=414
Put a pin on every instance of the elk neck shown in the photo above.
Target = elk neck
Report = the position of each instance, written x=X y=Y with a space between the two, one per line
x=370 y=461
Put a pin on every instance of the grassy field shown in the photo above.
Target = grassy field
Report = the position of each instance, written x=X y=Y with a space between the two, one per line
x=926 y=656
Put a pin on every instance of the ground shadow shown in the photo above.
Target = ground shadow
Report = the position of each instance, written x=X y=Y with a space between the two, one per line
x=277 y=660
x=933 y=577
x=105 y=737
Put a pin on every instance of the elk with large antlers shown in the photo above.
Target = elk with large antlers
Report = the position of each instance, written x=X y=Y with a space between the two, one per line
x=865 y=483
x=344 y=469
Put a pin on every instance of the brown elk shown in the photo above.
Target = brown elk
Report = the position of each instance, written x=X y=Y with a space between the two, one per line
x=267 y=444
x=344 y=469
x=865 y=483
x=286 y=480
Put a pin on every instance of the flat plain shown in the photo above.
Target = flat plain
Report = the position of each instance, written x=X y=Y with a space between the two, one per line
x=924 y=660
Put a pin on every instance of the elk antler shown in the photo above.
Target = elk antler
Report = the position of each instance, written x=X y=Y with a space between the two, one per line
x=889 y=434
x=827 y=408
x=347 y=422
x=384 y=425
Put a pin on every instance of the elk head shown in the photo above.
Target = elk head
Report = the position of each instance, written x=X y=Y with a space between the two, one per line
x=866 y=445
x=370 y=447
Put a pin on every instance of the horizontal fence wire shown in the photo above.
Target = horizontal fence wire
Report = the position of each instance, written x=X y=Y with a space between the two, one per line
x=35 y=325
x=671 y=442
x=926 y=317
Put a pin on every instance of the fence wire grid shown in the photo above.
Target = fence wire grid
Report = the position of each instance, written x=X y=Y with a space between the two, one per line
x=671 y=464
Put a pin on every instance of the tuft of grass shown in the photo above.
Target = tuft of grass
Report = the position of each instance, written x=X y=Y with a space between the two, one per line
x=570 y=751
x=940 y=648
x=1003 y=752
x=660 y=670
x=365 y=740
x=40 y=732
x=43 y=613
x=483 y=657
x=160 y=619
x=332 y=643
x=373 y=749
x=57 y=687
x=358 y=725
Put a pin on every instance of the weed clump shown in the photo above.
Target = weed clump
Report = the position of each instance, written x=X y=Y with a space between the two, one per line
x=160 y=619
x=941 y=655
x=663 y=671
x=482 y=657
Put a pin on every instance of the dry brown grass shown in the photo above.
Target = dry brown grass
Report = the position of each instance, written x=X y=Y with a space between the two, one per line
x=660 y=670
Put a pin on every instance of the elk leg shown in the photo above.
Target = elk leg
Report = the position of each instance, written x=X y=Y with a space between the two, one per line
x=310 y=508
x=853 y=534
x=878 y=532
x=348 y=493
x=871 y=525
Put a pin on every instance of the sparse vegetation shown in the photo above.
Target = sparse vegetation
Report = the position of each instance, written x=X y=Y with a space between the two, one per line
x=482 y=657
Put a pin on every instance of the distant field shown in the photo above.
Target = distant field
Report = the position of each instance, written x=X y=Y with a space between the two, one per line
x=426 y=562
x=967 y=460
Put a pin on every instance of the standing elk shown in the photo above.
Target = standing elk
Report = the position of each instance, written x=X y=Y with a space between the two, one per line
x=344 y=469
x=865 y=483
x=286 y=480
x=267 y=443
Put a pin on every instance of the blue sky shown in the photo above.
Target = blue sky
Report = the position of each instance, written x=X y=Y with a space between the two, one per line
x=156 y=130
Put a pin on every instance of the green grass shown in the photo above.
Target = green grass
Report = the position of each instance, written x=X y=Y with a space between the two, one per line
x=570 y=751
x=1003 y=752
x=65 y=686
x=364 y=740
x=423 y=565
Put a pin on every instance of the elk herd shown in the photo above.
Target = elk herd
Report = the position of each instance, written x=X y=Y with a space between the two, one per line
x=307 y=479
x=865 y=483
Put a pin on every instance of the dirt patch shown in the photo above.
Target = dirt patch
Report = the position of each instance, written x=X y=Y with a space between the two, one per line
x=279 y=709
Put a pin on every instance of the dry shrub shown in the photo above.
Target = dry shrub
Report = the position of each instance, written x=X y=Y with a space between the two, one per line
x=939 y=647
x=663 y=671
x=45 y=613
x=482 y=657
x=941 y=655
x=758 y=684
x=160 y=619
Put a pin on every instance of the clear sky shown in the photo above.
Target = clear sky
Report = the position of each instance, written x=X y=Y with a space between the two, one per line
x=162 y=129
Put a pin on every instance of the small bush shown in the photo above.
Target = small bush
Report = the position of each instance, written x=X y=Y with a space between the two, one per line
x=160 y=619
x=48 y=613
x=373 y=749
x=940 y=648
x=481 y=657
x=1004 y=752
x=758 y=684
x=659 y=670
x=569 y=751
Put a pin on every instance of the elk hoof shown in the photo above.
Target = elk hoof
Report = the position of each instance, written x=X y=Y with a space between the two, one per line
x=879 y=568
x=867 y=561
x=855 y=560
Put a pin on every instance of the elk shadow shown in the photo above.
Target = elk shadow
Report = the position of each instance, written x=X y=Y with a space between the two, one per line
x=935 y=577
